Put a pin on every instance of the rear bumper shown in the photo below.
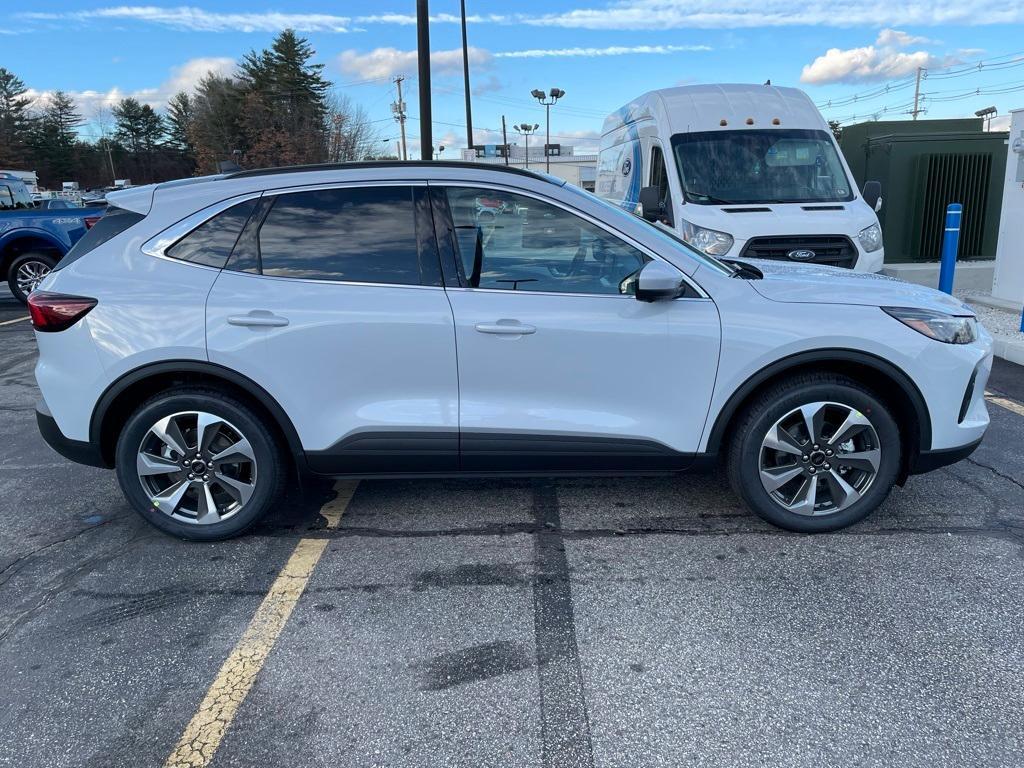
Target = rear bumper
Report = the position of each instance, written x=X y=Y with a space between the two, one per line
x=926 y=461
x=79 y=451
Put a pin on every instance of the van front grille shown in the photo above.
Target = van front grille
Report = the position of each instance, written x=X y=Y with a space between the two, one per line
x=831 y=250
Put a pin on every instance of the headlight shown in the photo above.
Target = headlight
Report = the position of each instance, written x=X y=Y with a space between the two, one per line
x=951 y=329
x=870 y=238
x=706 y=241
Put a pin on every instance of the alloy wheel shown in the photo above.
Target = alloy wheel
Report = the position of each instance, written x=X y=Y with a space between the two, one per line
x=30 y=274
x=819 y=459
x=196 y=467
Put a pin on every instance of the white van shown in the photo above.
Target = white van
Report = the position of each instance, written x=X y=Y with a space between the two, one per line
x=741 y=171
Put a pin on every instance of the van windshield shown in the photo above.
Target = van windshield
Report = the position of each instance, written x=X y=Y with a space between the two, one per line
x=760 y=166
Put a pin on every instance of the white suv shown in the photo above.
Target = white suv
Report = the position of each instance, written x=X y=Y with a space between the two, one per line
x=210 y=338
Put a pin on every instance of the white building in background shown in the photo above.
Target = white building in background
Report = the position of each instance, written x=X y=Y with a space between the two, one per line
x=580 y=170
x=1008 y=283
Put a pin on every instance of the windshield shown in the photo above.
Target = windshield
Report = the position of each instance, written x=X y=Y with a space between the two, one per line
x=760 y=166
x=669 y=238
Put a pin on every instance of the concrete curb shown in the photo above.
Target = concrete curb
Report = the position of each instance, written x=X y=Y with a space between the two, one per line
x=1012 y=351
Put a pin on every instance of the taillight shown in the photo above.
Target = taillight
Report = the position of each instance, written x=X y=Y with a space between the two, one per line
x=52 y=312
x=90 y=221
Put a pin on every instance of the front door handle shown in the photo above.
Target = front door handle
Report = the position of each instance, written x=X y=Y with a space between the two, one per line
x=258 y=318
x=506 y=327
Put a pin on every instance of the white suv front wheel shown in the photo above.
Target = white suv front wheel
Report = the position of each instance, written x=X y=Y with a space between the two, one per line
x=199 y=464
x=815 y=453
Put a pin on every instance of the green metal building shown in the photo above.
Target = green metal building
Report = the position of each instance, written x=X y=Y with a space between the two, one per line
x=923 y=165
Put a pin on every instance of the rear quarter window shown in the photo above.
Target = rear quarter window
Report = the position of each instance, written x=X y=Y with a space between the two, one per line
x=211 y=242
x=114 y=222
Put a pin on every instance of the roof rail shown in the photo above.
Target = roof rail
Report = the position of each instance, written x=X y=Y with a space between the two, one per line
x=389 y=164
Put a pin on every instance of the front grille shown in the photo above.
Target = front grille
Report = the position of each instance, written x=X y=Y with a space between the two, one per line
x=833 y=250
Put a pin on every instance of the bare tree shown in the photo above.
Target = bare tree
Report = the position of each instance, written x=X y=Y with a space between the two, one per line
x=353 y=136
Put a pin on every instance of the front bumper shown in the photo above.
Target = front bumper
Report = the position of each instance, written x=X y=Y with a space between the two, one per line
x=926 y=461
x=79 y=451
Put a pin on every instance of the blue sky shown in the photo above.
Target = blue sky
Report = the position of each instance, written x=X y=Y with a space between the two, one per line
x=601 y=52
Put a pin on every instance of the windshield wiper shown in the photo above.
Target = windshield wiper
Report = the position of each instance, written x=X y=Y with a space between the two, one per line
x=711 y=198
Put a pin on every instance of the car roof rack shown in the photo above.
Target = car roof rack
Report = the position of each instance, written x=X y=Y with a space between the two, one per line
x=388 y=164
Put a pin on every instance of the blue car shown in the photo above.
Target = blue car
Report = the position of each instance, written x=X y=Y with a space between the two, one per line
x=33 y=240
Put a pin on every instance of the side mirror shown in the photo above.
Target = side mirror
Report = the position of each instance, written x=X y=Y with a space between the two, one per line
x=658 y=281
x=872 y=194
x=652 y=207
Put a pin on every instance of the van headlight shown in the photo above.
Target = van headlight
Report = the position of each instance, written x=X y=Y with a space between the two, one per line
x=950 y=329
x=708 y=241
x=870 y=238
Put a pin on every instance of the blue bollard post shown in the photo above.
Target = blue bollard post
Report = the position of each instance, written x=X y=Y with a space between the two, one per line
x=950 y=246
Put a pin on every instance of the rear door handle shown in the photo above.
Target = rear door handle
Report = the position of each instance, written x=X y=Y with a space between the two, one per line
x=506 y=327
x=258 y=319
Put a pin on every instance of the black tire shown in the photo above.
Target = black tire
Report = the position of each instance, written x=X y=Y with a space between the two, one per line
x=48 y=260
x=752 y=427
x=271 y=463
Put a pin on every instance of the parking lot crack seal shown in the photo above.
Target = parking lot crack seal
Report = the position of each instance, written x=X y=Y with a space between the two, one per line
x=565 y=723
x=996 y=472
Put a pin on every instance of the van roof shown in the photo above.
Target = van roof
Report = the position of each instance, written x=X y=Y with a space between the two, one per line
x=691 y=108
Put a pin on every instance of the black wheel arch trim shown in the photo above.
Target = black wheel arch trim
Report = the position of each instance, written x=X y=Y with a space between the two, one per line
x=800 y=359
x=216 y=370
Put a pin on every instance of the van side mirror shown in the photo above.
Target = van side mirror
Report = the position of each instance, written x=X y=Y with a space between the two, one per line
x=658 y=281
x=872 y=194
x=652 y=207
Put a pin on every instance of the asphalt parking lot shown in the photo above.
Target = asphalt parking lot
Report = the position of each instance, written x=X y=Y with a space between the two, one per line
x=632 y=622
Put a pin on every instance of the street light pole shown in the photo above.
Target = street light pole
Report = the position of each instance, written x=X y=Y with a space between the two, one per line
x=525 y=129
x=547 y=99
x=423 y=55
x=465 y=75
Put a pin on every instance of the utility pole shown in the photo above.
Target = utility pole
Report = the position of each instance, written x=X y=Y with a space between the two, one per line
x=398 y=108
x=465 y=75
x=423 y=56
x=110 y=157
x=504 y=138
x=917 y=93
x=547 y=99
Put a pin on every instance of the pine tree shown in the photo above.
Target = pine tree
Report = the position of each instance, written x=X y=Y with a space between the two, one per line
x=180 y=117
x=15 y=122
x=138 y=128
x=285 y=106
x=54 y=137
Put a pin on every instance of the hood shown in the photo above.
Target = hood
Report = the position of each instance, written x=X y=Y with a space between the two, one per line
x=816 y=284
x=775 y=219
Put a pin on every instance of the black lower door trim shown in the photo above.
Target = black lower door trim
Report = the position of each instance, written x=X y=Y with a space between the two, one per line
x=491 y=452
x=389 y=453
x=418 y=454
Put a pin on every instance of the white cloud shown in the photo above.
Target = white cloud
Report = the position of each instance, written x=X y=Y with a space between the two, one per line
x=894 y=38
x=198 y=20
x=613 y=50
x=183 y=77
x=732 y=14
x=407 y=19
x=882 y=61
x=385 y=62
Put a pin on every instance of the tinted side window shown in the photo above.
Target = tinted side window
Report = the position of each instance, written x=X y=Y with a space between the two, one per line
x=365 y=235
x=211 y=242
x=514 y=242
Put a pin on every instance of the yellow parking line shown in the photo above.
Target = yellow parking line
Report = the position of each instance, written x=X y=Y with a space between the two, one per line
x=17 y=320
x=204 y=733
x=1011 y=405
